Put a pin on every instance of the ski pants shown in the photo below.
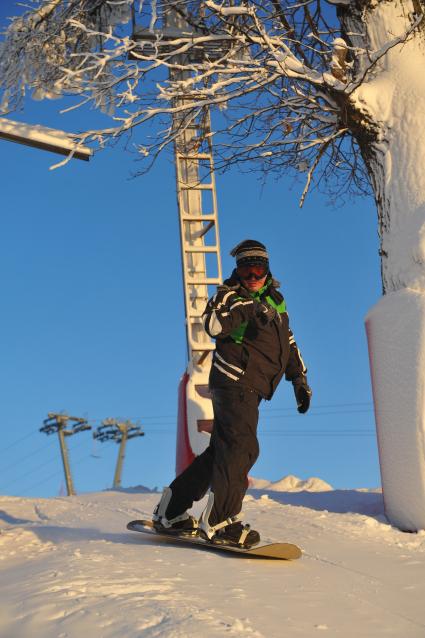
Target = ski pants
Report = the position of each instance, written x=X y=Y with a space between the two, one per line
x=225 y=464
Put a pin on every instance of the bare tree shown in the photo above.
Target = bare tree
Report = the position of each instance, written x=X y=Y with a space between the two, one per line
x=333 y=90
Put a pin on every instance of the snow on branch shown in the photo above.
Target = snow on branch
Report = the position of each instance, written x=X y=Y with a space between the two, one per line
x=277 y=71
x=230 y=11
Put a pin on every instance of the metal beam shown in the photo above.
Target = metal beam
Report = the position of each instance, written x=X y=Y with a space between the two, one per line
x=47 y=139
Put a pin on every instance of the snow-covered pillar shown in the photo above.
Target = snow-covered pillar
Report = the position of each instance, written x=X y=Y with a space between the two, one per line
x=390 y=106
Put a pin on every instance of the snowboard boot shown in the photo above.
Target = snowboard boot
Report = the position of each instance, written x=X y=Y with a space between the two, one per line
x=184 y=524
x=237 y=535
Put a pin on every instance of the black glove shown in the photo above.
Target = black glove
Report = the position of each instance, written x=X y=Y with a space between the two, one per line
x=302 y=394
x=266 y=313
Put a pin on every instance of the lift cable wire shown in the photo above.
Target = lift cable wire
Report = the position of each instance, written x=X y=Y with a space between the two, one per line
x=300 y=433
x=158 y=429
x=266 y=410
x=59 y=472
x=22 y=438
x=42 y=465
x=27 y=456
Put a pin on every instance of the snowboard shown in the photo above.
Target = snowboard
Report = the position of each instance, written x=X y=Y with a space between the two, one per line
x=276 y=551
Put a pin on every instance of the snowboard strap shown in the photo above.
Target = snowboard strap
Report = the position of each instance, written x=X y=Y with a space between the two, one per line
x=210 y=530
x=161 y=508
x=244 y=534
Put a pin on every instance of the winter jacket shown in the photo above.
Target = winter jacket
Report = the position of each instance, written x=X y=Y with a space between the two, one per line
x=247 y=351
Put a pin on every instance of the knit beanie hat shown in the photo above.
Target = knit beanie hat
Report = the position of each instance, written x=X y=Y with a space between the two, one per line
x=250 y=252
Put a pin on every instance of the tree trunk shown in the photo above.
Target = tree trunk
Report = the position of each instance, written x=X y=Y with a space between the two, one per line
x=389 y=108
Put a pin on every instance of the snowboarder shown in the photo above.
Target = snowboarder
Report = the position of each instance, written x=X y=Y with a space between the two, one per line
x=254 y=348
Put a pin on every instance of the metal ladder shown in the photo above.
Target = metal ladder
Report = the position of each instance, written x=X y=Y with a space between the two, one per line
x=197 y=207
x=199 y=233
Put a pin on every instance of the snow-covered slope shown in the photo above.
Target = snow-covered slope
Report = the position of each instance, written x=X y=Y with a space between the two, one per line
x=70 y=569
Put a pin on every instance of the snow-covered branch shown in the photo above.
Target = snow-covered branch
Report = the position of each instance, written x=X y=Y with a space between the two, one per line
x=230 y=10
x=277 y=71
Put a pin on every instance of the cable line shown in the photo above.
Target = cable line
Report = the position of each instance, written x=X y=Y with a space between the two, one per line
x=24 y=458
x=26 y=436
x=311 y=416
x=40 y=482
x=52 y=476
x=283 y=432
x=264 y=415
x=327 y=406
x=40 y=466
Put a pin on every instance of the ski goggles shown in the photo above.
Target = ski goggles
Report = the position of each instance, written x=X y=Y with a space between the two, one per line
x=252 y=271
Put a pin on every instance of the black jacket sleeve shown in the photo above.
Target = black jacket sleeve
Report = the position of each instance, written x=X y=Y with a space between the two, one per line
x=226 y=311
x=295 y=369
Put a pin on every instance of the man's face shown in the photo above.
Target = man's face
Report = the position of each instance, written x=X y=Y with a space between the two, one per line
x=253 y=285
x=253 y=276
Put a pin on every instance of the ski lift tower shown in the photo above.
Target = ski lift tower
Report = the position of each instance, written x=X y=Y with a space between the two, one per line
x=200 y=243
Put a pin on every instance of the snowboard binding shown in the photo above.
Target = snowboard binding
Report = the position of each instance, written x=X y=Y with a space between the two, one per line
x=182 y=525
x=229 y=532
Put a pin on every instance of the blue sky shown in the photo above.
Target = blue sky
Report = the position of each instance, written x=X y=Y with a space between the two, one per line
x=93 y=319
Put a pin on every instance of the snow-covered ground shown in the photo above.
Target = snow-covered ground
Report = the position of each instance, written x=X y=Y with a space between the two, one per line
x=70 y=569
